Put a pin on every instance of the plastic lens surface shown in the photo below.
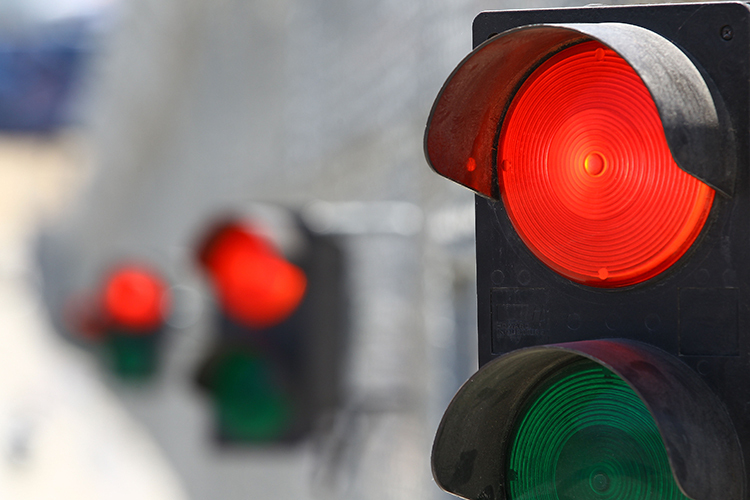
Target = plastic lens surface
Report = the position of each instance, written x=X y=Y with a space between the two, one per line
x=135 y=299
x=586 y=174
x=256 y=285
x=252 y=405
x=586 y=435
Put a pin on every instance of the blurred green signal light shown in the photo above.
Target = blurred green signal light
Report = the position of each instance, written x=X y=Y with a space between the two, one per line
x=252 y=404
x=586 y=435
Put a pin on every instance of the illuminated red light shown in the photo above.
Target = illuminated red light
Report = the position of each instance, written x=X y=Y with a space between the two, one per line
x=256 y=285
x=135 y=299
x=586 y=175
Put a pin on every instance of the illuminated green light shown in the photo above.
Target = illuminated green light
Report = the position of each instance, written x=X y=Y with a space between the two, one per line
x=586 y=435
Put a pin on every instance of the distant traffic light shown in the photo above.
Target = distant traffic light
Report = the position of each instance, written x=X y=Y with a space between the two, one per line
x=255 y=284
x=274 y=370
x=127 y=315
x=609 y=147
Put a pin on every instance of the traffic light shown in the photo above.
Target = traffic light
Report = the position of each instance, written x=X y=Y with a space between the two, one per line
x=274 y=371
x=126 y=316
x=608 y=147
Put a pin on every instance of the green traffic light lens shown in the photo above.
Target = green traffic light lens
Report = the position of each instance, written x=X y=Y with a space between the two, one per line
x=586 y=435
x=133 y=357
x=252 y=404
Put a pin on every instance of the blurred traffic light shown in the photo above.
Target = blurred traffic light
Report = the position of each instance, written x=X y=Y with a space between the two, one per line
x=274 y=371
x=255 y=284
x=609 y=150
x=127 y=316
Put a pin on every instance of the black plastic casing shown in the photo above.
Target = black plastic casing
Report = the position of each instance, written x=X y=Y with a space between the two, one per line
x=699 y=309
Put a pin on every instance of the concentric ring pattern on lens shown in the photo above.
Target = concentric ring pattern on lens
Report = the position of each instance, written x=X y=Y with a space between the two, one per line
x=586 y=174
x=586 y=435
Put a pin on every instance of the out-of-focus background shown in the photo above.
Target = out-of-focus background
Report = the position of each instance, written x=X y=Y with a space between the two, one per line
x=130 y=130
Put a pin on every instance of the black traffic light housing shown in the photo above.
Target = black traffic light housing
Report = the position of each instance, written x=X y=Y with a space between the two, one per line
x=279 y=383
x=681 y=340
x=124 y=319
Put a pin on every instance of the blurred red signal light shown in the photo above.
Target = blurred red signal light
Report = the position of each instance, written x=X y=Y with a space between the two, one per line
x=135 y=299
x=255 y=284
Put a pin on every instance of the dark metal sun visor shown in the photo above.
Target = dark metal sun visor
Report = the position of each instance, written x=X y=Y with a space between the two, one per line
x=462 y=130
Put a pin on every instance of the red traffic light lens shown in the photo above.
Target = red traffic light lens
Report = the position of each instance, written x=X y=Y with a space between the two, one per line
x=255 y=284
x=586 y=174
x=135 y=299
